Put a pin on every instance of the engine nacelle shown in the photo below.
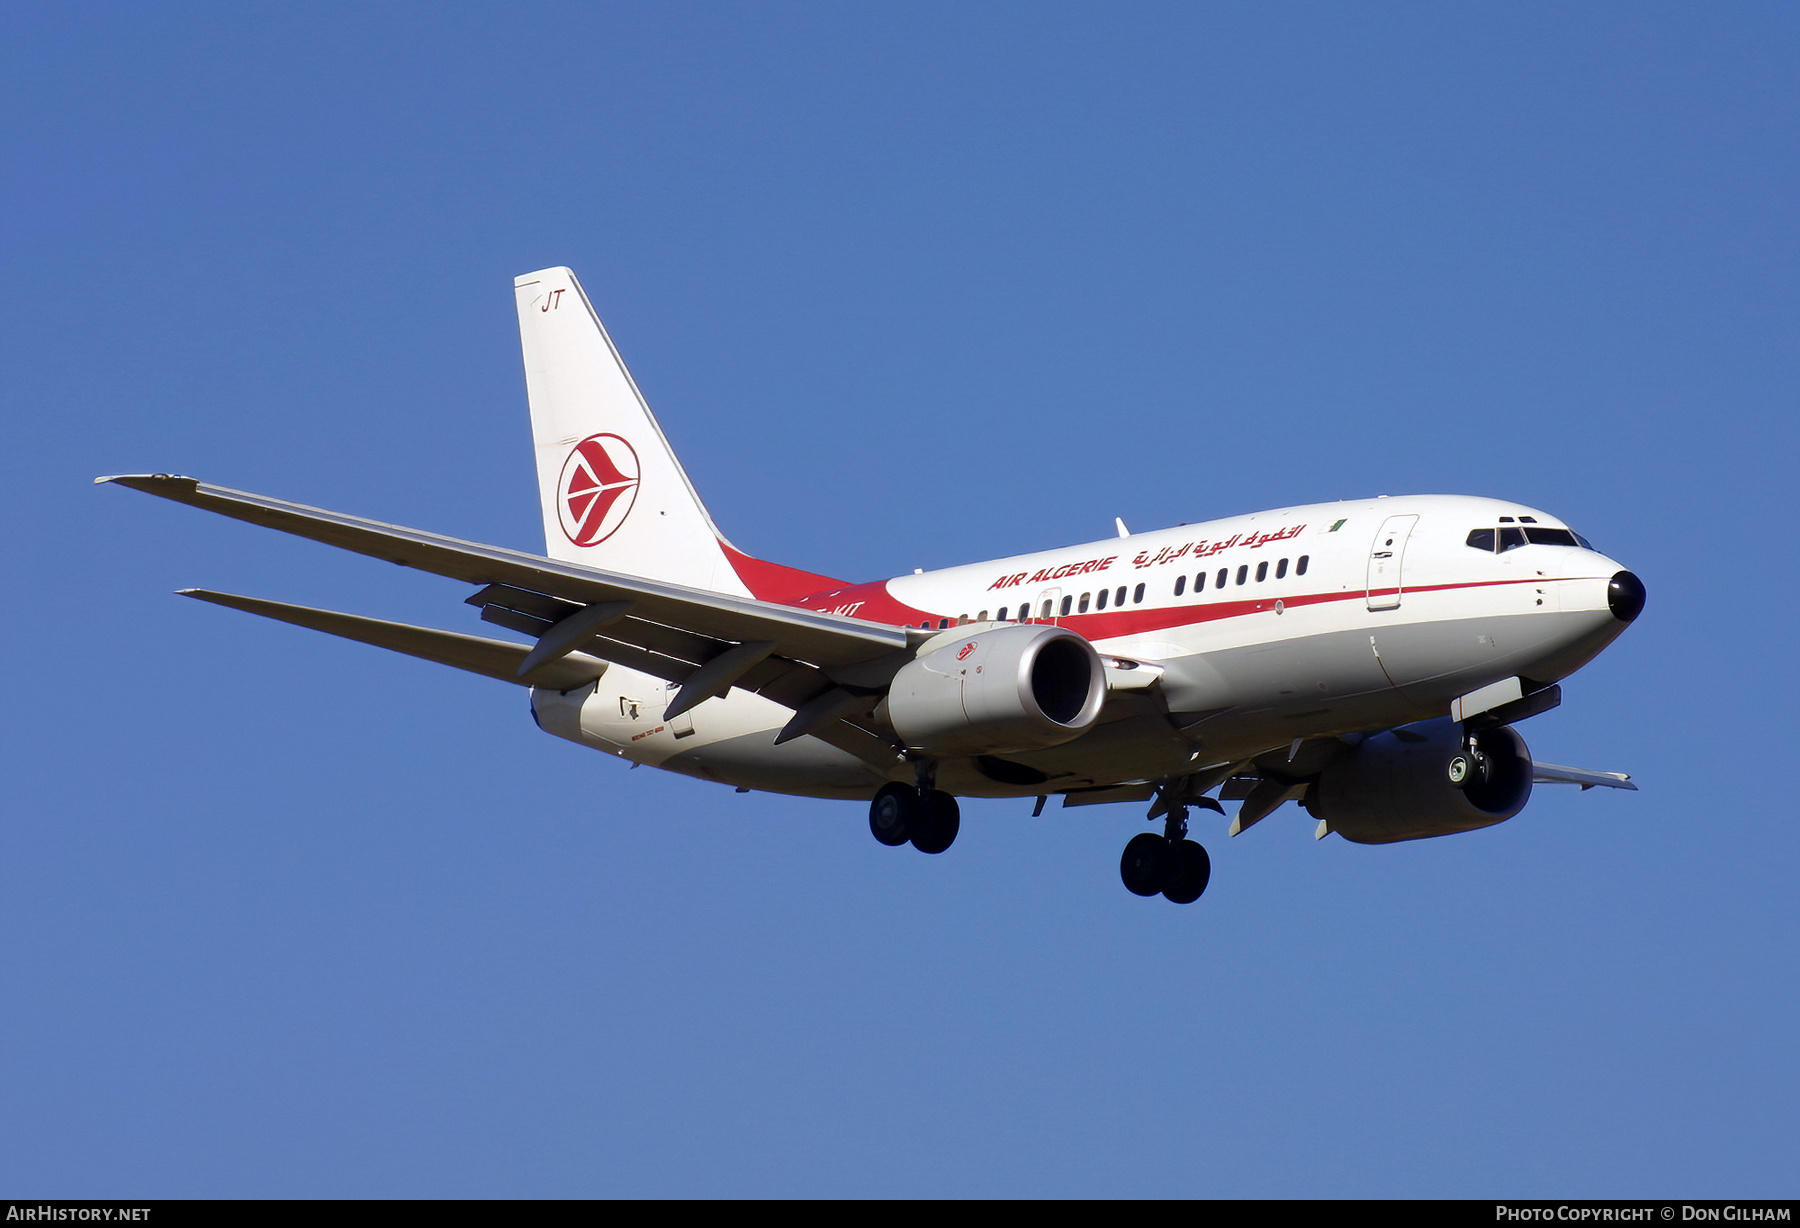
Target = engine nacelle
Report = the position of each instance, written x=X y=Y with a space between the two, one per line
x=1398 y=785
x=1002 y=690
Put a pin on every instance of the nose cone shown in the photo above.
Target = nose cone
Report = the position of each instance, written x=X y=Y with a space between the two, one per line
x=1625 y=596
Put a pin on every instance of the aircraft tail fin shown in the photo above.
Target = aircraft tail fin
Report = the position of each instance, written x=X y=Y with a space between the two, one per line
x=613 y=494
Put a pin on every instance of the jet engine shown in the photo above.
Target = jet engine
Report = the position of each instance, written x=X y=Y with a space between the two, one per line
x=1002 y=690
x=1421 y=780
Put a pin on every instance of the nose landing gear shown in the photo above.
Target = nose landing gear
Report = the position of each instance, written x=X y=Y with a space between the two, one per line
x=1470 y=767
x=1169 y=865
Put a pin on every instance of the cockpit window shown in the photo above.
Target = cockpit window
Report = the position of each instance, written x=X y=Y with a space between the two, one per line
x=1512 y=536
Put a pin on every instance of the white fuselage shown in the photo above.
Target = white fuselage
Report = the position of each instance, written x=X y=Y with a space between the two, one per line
x=1226 y=639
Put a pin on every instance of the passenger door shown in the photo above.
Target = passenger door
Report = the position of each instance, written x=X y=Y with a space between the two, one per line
x=1386 y=553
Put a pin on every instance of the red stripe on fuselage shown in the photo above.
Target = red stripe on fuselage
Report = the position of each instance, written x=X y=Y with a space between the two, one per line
x=1113 y=624
x=873 y=603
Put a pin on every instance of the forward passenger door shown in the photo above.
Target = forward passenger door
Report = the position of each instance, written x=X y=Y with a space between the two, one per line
x=1386 y=553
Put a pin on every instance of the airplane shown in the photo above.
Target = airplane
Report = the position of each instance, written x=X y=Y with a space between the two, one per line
x=1367 y=659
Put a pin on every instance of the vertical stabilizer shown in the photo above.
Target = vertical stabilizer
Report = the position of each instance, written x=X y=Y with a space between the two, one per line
x=613 y=494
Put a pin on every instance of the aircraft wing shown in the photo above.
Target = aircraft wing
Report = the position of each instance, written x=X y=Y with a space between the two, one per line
x=828 y=668
x=476 y=654
x=823 y=639
x=1552 y=774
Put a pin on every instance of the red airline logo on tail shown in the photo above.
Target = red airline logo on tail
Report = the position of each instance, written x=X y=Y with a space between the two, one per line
x=599 y=484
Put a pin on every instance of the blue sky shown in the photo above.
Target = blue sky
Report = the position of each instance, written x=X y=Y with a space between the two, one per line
x=909 y=286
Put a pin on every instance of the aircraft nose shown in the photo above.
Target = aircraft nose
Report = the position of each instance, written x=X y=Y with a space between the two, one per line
x=1625 y=596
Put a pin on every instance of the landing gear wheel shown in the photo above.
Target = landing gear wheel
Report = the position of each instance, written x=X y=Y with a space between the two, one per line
x=891 y=814
x=1469 y=767
x=1190 y=869
x=1144 y=864
x=940 y=818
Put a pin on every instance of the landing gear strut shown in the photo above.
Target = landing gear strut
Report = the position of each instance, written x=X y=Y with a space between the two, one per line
x=927 y=817
x=1169 y=865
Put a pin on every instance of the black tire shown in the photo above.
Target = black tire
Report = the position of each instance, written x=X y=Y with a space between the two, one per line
x=891 y=814
x=1189 y=872
x=1144 y=864
x=941 y=820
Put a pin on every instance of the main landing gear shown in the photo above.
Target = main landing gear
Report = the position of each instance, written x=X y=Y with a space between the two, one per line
x=1169 y=865
x=928 y=818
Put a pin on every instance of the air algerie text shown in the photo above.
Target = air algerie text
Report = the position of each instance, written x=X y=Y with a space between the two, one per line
x=1054 y=573
x=1168 y=554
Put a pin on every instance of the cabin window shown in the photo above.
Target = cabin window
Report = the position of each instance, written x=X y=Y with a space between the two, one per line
x=1281 y=570
x=943 y=623
x=1119 y=597
x=1067 y=602
x=1199 y=581
x=926 y=625
x=1262 y=571
x=1046 y=613
x=1084 y=603
x=1180 y=585
x=1137 y=594
x=1300 y=567
x=1243 y=573
x=981 y=617
x=1000 y=616
x=1481 y=539
x=1219 y=580
x=1100 y=602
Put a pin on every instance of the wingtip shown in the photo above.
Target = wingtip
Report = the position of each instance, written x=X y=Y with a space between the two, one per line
x=211 y=596
x=147 y=481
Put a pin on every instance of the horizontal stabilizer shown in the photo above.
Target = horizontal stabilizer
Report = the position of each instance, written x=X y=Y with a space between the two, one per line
x=1141 y=792
x=474 y=653
x=1551 y=774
